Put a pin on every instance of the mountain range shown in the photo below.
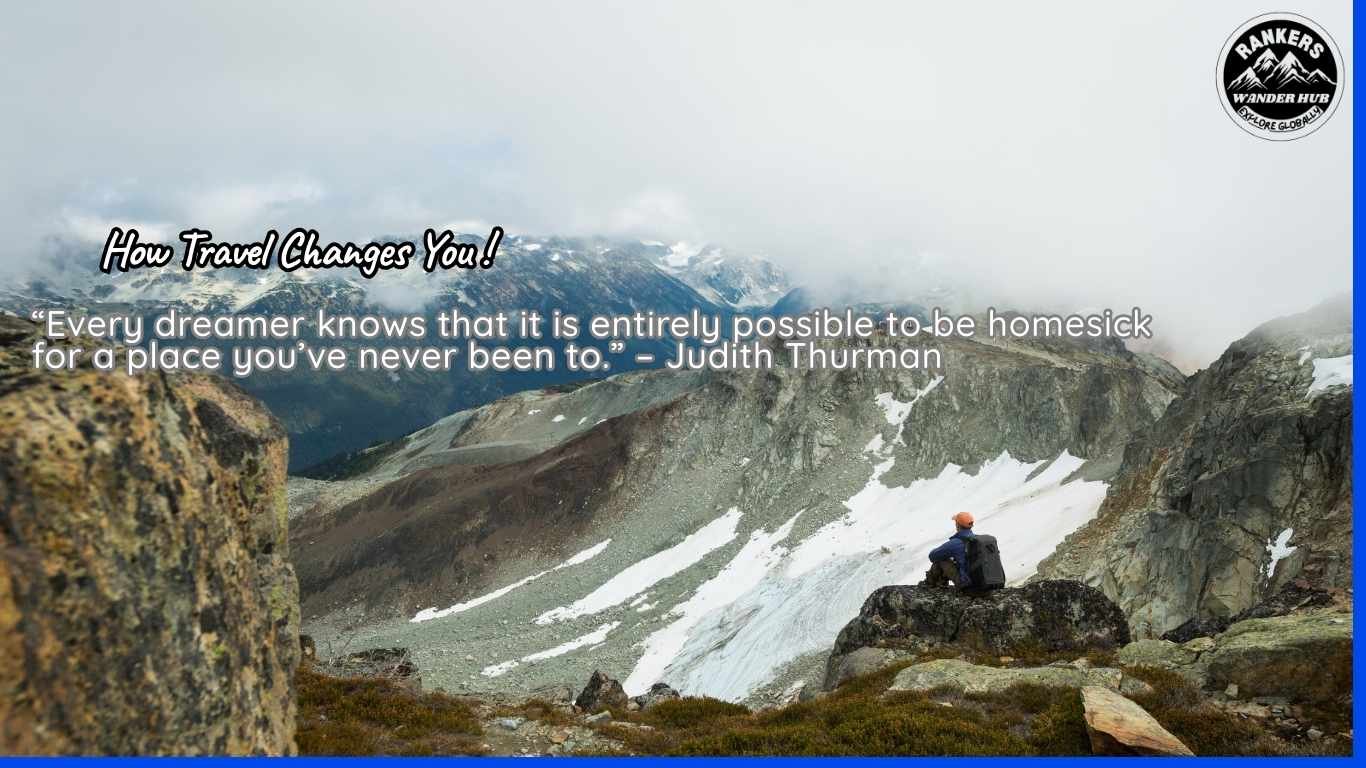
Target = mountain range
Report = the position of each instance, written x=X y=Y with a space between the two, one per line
x=1268 y=73
x=327 y=414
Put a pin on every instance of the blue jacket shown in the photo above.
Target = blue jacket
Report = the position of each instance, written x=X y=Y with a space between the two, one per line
x=956 y=550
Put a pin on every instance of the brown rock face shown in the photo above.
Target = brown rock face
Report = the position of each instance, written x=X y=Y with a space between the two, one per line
x=1118 y=726
x=147 y=605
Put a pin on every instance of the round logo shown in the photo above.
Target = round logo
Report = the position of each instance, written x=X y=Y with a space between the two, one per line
x=1278 y=76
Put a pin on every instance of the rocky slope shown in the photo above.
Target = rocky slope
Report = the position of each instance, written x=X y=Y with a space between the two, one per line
x=1244 y=484
x=147 y=604
x=718 y=539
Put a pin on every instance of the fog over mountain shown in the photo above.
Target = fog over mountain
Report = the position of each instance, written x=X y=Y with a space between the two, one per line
x=874 y=150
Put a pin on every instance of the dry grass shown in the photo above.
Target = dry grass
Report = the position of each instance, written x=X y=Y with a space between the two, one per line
x=377 y=716
x=858 y=719
x=539 y=710
x=368 y=716
x=1208 y=730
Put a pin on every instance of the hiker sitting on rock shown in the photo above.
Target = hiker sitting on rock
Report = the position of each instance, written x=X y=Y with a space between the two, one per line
x=966 y=560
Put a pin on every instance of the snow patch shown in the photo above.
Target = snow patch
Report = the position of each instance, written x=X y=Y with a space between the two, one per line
x=896 y=411
x=644 y=574
x=427 y=614
x=680 y=254
x=592 y=638
x=1330 y=372
x=1278 y=550
x=496 y=670
x=559 y=417
x=800 y=603
x=744 y=572
x=533 y=411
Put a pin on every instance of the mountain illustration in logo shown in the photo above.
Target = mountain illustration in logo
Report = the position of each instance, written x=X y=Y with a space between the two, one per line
x=1268 y=73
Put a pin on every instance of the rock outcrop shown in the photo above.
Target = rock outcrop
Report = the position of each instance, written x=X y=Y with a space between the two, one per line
x=1303 y=657
x=1242 y=486
x=1294 y=597
x=602 y=692
x=1043 y=616
x=1118 y=726
x=657 y=693
x=394 y=664
x=147 y=604
x=967 y=677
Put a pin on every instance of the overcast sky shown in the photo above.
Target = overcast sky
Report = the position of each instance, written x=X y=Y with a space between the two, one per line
x=1053 y=154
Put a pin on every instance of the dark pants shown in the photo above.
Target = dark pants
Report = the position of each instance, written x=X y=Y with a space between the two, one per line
x=942 y=574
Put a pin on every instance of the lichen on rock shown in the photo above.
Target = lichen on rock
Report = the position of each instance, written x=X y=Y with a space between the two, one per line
x=1046 y=616
x=147 y=603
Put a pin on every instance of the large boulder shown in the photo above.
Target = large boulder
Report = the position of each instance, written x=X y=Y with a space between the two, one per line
x=966 y=677
x=147 y=603
x=1181 y=658
x=859 y=662
x=1040 y=617
x=658 y=692
x=1117 y=726
x=602 y=692
x=1303 y=657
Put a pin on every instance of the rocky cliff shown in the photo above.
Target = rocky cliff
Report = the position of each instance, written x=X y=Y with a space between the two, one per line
x=1243 y=485
x=147 y=605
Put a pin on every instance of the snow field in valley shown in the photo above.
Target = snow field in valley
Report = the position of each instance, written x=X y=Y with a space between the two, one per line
x=775 y=599
x=793 y=601
x=433 y=613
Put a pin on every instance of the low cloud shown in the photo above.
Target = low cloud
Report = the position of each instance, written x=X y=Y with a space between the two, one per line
x=94 y=229
x=245 y=210
x=1048 y=156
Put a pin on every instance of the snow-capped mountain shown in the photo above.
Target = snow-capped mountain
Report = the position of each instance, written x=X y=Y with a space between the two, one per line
x=1247 y=81
x=327 y=414
x=1289 y=71
x=725 y=280
x=1317 y=77
x=1265 y=63
x=1271 y=73
x=738 y=281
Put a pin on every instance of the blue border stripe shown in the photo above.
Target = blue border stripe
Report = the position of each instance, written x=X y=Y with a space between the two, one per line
x=1356 y=363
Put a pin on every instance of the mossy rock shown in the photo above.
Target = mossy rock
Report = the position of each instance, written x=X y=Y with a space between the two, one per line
x=1306 y=657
